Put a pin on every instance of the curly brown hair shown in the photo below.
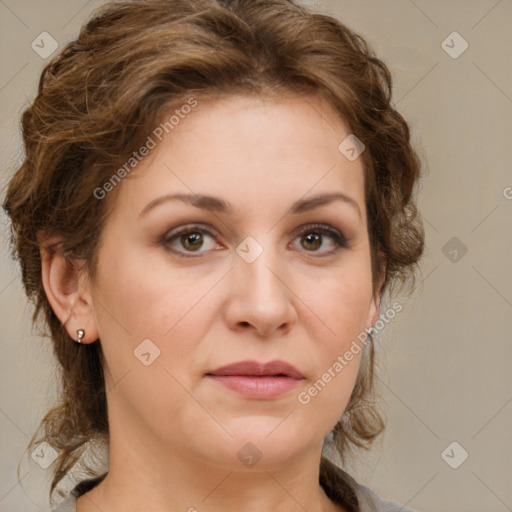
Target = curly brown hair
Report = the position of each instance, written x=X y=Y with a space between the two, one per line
x=132 y=64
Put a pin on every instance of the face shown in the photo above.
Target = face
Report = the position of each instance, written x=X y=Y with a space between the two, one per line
x=259 y=273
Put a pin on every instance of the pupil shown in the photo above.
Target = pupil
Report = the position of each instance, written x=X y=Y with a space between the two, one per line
x=313 y=239
x=190 y=239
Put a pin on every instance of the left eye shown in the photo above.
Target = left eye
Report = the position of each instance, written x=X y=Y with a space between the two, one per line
x=313 y=237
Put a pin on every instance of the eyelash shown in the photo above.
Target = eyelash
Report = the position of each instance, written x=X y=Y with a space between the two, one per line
x=324 y=229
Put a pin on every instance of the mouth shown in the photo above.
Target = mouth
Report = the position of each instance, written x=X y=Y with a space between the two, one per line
x=275 y=368
x=258 y=380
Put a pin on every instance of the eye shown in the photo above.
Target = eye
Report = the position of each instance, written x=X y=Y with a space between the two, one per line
x=313 y=237
x=189 y=239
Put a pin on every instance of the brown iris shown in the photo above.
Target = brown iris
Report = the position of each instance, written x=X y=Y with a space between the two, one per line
x=314 y=239
x=192 y=241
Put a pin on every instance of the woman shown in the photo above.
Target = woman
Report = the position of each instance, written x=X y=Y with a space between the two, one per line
x=215 y=197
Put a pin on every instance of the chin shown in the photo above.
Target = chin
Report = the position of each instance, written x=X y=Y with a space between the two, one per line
x=260 y=443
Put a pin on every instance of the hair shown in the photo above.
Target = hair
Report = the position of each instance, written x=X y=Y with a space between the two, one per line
x=132 y=64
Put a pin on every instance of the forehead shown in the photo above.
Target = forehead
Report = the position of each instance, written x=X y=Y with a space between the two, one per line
x=285 y=123
x=245 y=146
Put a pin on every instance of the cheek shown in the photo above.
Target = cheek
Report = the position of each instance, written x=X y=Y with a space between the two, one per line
x=137 y=302
x=326 y=395
x=143 y=310
x=144 y=298
x=342 y=303
x=341 y=307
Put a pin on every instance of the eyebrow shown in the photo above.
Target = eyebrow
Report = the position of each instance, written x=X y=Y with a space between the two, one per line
x=218 y=205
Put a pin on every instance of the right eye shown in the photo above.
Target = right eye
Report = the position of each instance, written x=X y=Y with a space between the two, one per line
x=189 y=239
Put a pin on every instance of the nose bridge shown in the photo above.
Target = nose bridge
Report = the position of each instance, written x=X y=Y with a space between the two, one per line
x=256 y=266
x=261 y=297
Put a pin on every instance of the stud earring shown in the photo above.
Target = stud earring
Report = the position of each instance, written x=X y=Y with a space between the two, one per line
x=80 y=333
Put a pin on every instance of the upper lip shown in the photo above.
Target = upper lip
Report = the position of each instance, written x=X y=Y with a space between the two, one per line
x=255 y=368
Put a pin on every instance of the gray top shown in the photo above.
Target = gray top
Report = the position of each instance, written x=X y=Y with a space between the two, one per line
x=337 y=484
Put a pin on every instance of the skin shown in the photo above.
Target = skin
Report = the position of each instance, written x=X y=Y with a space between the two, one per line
x=175 y=434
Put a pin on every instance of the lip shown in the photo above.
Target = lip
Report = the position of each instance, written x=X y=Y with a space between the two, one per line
x=258 y=380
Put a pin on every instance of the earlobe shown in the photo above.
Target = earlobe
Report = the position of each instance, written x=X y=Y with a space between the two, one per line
x=374 y=310
x=69 y=300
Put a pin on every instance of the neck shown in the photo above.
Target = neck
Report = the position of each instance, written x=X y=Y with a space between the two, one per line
x=164 y=483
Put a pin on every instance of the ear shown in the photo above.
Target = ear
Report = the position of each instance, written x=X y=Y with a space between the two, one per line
x=64 y=284
x=374 y=310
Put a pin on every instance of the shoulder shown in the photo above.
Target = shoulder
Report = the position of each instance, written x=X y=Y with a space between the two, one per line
x=344 y=489
x=338 y=485
x=371 y=502
x=68 y=504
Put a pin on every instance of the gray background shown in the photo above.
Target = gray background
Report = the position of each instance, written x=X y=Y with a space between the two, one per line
x=445 y=373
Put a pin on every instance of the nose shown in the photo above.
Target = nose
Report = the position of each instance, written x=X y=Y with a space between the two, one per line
x=260 y=299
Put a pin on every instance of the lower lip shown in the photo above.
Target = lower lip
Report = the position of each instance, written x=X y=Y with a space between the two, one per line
x=257 y=387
